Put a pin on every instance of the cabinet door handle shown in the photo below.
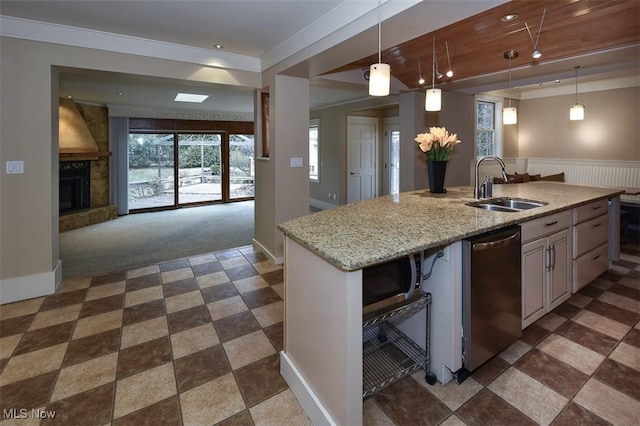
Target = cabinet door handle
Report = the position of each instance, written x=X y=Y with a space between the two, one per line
x=548 y=258
x=597 y=224
x=596 y=257
x=553 y=265
x=551 y=223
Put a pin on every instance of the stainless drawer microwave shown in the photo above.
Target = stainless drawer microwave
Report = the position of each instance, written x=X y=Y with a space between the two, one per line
x=392 y=282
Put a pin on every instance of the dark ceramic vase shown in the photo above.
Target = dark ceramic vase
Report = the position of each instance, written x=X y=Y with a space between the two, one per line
x=436 y=170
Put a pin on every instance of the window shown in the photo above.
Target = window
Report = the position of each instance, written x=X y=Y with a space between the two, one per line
x=488 y=134
x=314 y=151
x=201 y=162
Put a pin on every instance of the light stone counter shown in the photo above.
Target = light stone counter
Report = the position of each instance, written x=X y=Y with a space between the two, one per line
x=364 y=233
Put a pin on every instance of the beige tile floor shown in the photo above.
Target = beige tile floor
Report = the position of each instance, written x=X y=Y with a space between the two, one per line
x=195 y=342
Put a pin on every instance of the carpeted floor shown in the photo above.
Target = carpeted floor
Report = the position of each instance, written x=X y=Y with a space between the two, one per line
x=142 y=239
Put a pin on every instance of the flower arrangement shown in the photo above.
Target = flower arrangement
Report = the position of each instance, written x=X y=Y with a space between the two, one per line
x=437 y=144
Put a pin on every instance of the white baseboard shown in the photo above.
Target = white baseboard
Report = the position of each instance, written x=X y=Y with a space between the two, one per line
x=30 y=286
x=303 y=393
x=276 y=260
x=322 y=205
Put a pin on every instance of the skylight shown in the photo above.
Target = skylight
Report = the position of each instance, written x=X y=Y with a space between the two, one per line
x=190 y=97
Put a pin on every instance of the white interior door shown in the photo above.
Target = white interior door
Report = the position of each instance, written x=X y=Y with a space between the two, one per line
x=362 y=153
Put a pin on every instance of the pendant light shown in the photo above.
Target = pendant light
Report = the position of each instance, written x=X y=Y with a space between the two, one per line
x=510 y=114
x=379 y=74
x=433 y=100
x=576 y=112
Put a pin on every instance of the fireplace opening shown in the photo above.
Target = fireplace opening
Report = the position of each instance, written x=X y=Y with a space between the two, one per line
x=74 y=187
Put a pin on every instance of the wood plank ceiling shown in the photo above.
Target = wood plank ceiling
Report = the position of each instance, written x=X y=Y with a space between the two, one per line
x=477 y=44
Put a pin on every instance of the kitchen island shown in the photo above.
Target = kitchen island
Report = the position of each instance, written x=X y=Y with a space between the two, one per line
x=326 y=252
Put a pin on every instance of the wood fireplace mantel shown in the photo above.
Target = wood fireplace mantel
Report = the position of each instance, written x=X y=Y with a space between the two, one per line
x=83 y=156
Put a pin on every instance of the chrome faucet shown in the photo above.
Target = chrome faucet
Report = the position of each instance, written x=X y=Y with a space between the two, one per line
x=476 y=186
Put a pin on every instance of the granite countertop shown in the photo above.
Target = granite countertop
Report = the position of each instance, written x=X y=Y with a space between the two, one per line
x=364 y=233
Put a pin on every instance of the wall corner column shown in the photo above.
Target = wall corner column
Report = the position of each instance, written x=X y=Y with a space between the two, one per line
x=413 y=121
x=282 y=181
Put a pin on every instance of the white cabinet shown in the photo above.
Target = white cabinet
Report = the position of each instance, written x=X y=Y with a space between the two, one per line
x=533 y=278
x=559 y=269
x=546 y=268
x=590 y=242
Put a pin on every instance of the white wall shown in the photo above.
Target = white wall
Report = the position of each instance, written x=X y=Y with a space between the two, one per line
x=609 y=131
x=333 y=144
x=28 y=132
x=457 y=115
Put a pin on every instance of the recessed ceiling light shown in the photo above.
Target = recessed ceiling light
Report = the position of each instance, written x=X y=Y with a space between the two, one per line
x=218 y=46
x=190 y=97
x=509 y=17
x=119 y=93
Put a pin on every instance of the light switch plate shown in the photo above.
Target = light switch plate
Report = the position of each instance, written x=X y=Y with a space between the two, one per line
x=295 y=161
x=15 y=167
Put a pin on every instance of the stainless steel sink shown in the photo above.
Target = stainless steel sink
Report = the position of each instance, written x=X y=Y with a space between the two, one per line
x=513 y=203
x=506 y=204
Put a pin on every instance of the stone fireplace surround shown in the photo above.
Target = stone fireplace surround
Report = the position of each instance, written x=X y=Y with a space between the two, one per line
x=98 y=209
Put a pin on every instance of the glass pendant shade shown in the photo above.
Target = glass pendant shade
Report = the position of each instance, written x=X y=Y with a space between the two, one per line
x=379 y=79
x=433 y=100
x=576 y=112
x=509 y=115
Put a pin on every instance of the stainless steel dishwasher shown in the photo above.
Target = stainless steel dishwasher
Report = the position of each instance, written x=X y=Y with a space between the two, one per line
x=492 y=291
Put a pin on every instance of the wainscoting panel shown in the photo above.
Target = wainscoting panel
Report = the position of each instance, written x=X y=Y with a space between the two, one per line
x=623 y=174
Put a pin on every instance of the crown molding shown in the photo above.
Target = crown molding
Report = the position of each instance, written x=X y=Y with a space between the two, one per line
x=344 y=21
x=584 y=87
x=116 y=110
x=80 y=37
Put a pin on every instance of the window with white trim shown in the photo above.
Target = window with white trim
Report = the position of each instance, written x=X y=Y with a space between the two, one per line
x=314 y=150
x=488 y=127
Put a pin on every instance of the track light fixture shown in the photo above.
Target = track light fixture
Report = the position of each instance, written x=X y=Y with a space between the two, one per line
x=576 y=112
x=379 y=74
x=433 y=99
x=537 y=54
x=450 y=71
x=510 y=114
x=439 y=75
